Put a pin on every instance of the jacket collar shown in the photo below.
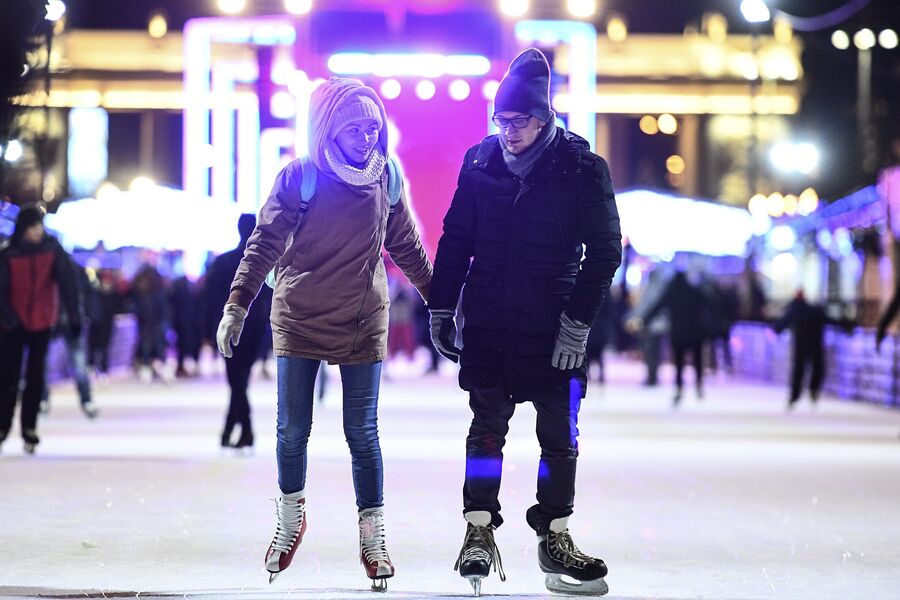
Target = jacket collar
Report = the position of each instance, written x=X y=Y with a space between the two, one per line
x=566 y=148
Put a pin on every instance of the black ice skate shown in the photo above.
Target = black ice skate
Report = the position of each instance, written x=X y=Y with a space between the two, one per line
x=31 y=440
x=559 y=557
x=479 y=552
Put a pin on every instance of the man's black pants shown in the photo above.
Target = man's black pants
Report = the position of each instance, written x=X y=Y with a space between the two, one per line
x=12 y=350
x=557 y=406
x=237 y=369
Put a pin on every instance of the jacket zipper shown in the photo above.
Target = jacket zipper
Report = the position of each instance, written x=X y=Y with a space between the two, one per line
x=373 y=265
x=33 y=288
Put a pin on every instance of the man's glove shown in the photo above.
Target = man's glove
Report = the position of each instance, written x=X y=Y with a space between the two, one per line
x=230 y=327
x=571 y=344
x=443 y=333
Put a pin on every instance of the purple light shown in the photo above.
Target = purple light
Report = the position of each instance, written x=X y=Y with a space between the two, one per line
x=484 y=468
x=459 y=90
x=390 y=89
x=425 y=89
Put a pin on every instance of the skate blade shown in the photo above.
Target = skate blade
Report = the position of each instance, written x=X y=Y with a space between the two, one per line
x=379 y=585
x=273 y=576
x=556 y=583
x=476 y=585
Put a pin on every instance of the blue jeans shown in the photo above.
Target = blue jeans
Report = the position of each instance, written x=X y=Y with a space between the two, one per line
x=296 y=381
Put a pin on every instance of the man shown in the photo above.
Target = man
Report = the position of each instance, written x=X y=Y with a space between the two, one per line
x=807 y=323
x=531 y=203
x=35 y=274
x=240 y=363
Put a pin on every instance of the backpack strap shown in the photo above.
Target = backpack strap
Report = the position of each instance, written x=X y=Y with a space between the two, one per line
x=309 y=174
x=395 y=182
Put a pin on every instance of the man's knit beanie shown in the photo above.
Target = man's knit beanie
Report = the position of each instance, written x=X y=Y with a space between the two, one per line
x=355 y=108
x=29 y=214
x=526 y=86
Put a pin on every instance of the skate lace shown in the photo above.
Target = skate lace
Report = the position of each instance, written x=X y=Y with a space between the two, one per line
x=288 y=520
x=563 y=548
x=371 y=538
x=479 y=545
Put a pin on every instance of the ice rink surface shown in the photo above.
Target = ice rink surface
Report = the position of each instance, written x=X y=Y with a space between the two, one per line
x=728 y=498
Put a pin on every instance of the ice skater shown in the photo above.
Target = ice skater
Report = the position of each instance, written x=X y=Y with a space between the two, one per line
x=36 y=281
x=535 y=213
x=331 y=300
x=239 y=365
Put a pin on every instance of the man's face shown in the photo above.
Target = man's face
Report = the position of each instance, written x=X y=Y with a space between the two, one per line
x=518 y=131
x=34 y=234
x=358 y=139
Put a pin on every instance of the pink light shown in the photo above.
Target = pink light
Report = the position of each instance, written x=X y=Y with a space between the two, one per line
x=425 y=89
x=390 y=89
x=459 y=90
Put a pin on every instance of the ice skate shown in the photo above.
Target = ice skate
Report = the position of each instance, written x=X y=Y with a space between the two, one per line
x=479 y=552
x=373 y=552
x=90 y=409
x=31 y=440
x=3 y=435
x=567 y=569
x=290 y=525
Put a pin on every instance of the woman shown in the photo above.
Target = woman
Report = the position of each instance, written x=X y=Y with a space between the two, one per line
x=330 y=302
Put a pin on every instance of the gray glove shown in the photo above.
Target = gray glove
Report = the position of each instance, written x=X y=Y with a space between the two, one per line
x=443 y=333
x=571 y=343
x=230 y=328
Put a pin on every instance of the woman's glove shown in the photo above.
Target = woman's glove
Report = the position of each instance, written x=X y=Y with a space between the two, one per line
x=230 y=327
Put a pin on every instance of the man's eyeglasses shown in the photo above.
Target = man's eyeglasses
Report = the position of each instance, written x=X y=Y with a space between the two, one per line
x=516 y=122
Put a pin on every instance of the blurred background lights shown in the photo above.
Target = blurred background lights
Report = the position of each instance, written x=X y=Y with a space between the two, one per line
x=298 y=7
x=459 y=90
x=775 y=204
x=283 y=105
x=667 y=124
x=888 y=39
x=157 y=27
x=648 y=125
x=55 y=10
x=791 y=205
x=107 y=191
x=758 y=205
x=791 y=157
x=840 y=39
x=390 y=89
x=616 y=29
x=582 y=9
x=514 y=8
x=232 y=7
x=755 y=11
x=808 y=202
x=717 y=27
x=142 y=183
x=489 y=89
x=425 y=89
x=782 y=238
x=864 y=39
x=13 y=151
x=675 y=164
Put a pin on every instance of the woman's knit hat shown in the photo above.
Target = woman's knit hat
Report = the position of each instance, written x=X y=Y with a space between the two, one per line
x=526 y=86
x=354 y=108
x=335 y=103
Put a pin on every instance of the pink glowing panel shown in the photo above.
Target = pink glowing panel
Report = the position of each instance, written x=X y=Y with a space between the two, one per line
x=410 y=65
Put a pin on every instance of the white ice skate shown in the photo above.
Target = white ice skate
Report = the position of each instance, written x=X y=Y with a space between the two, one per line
x=290 y=525
x=373 y=552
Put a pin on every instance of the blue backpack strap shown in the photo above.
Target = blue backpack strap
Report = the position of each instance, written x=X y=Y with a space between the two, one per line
x=395 y=182
x=308 y=176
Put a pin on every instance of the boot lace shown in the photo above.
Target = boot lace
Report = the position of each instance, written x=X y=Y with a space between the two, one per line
x=288 y=520
x=479 y=545
x=563 y=548
x=371 y=538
